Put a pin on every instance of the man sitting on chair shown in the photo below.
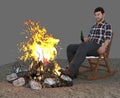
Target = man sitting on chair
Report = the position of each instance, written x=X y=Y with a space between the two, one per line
x=96 y=42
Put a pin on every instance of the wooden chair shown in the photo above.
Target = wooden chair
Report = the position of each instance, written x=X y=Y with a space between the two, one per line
x=96 y=61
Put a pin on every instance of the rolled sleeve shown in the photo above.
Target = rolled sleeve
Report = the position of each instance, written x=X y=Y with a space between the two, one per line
x=108 y=32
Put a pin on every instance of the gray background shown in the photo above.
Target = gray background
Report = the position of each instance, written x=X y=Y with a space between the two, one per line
x=63 y=18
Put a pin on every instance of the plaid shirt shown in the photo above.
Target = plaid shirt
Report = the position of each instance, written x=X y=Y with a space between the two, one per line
x=101 y=33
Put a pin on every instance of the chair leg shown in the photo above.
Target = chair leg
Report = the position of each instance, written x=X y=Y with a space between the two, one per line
x=109 y=72
x=95 y=70
x=107 y=64
x=90 y=63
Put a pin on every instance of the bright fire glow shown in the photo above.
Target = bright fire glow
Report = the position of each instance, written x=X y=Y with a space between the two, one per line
x=39 y=46
x=56 y=69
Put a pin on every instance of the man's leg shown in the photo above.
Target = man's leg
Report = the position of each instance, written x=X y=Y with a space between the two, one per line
x=80 y=55
x=92 y=53
x=71 y=50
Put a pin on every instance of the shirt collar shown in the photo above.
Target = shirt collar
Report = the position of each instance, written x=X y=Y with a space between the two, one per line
x=103 y=22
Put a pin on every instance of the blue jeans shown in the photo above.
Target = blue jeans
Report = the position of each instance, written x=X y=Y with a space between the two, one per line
x=76 y=54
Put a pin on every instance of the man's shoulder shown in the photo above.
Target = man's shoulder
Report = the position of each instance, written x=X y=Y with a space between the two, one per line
x=107 y=24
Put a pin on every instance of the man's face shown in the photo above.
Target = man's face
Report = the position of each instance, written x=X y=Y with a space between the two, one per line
x=99 y=16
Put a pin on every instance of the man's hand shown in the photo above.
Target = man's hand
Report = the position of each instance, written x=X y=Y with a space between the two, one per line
x=102 y=49
x=85 y=40
x=81 y=42
x=104 y=46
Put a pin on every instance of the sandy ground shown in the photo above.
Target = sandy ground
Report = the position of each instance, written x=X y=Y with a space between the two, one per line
x=82 y=88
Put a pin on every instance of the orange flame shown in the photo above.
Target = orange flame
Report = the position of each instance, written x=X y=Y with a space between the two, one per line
x=39 y=45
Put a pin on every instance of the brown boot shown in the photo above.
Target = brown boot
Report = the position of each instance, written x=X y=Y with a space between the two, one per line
x=68 y=72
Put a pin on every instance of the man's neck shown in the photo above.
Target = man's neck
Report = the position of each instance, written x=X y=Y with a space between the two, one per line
x=99 y=22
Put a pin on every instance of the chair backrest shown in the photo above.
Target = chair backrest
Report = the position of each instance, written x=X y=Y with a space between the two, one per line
x=107 y=52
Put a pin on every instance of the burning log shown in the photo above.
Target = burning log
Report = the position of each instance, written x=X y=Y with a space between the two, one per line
x=35 y=67
x=43 y=76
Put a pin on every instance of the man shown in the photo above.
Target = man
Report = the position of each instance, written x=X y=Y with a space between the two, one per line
x=96 y=42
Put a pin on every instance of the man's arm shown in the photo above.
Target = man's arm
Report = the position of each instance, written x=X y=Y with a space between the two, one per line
x=104 y=46
x=108 y=35
x=106 y=43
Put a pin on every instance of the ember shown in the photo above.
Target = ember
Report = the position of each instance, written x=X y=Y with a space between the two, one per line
x=40 y=50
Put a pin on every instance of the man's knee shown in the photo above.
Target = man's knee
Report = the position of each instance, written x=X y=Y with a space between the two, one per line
x=69 y=46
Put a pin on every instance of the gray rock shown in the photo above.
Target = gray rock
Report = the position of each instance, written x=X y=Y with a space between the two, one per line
x=35 y=85
x=66 y=78
x=19 y=82
x=50 y=81
x=11 y=77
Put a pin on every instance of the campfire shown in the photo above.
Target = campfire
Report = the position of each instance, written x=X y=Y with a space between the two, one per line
x=40 y=49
